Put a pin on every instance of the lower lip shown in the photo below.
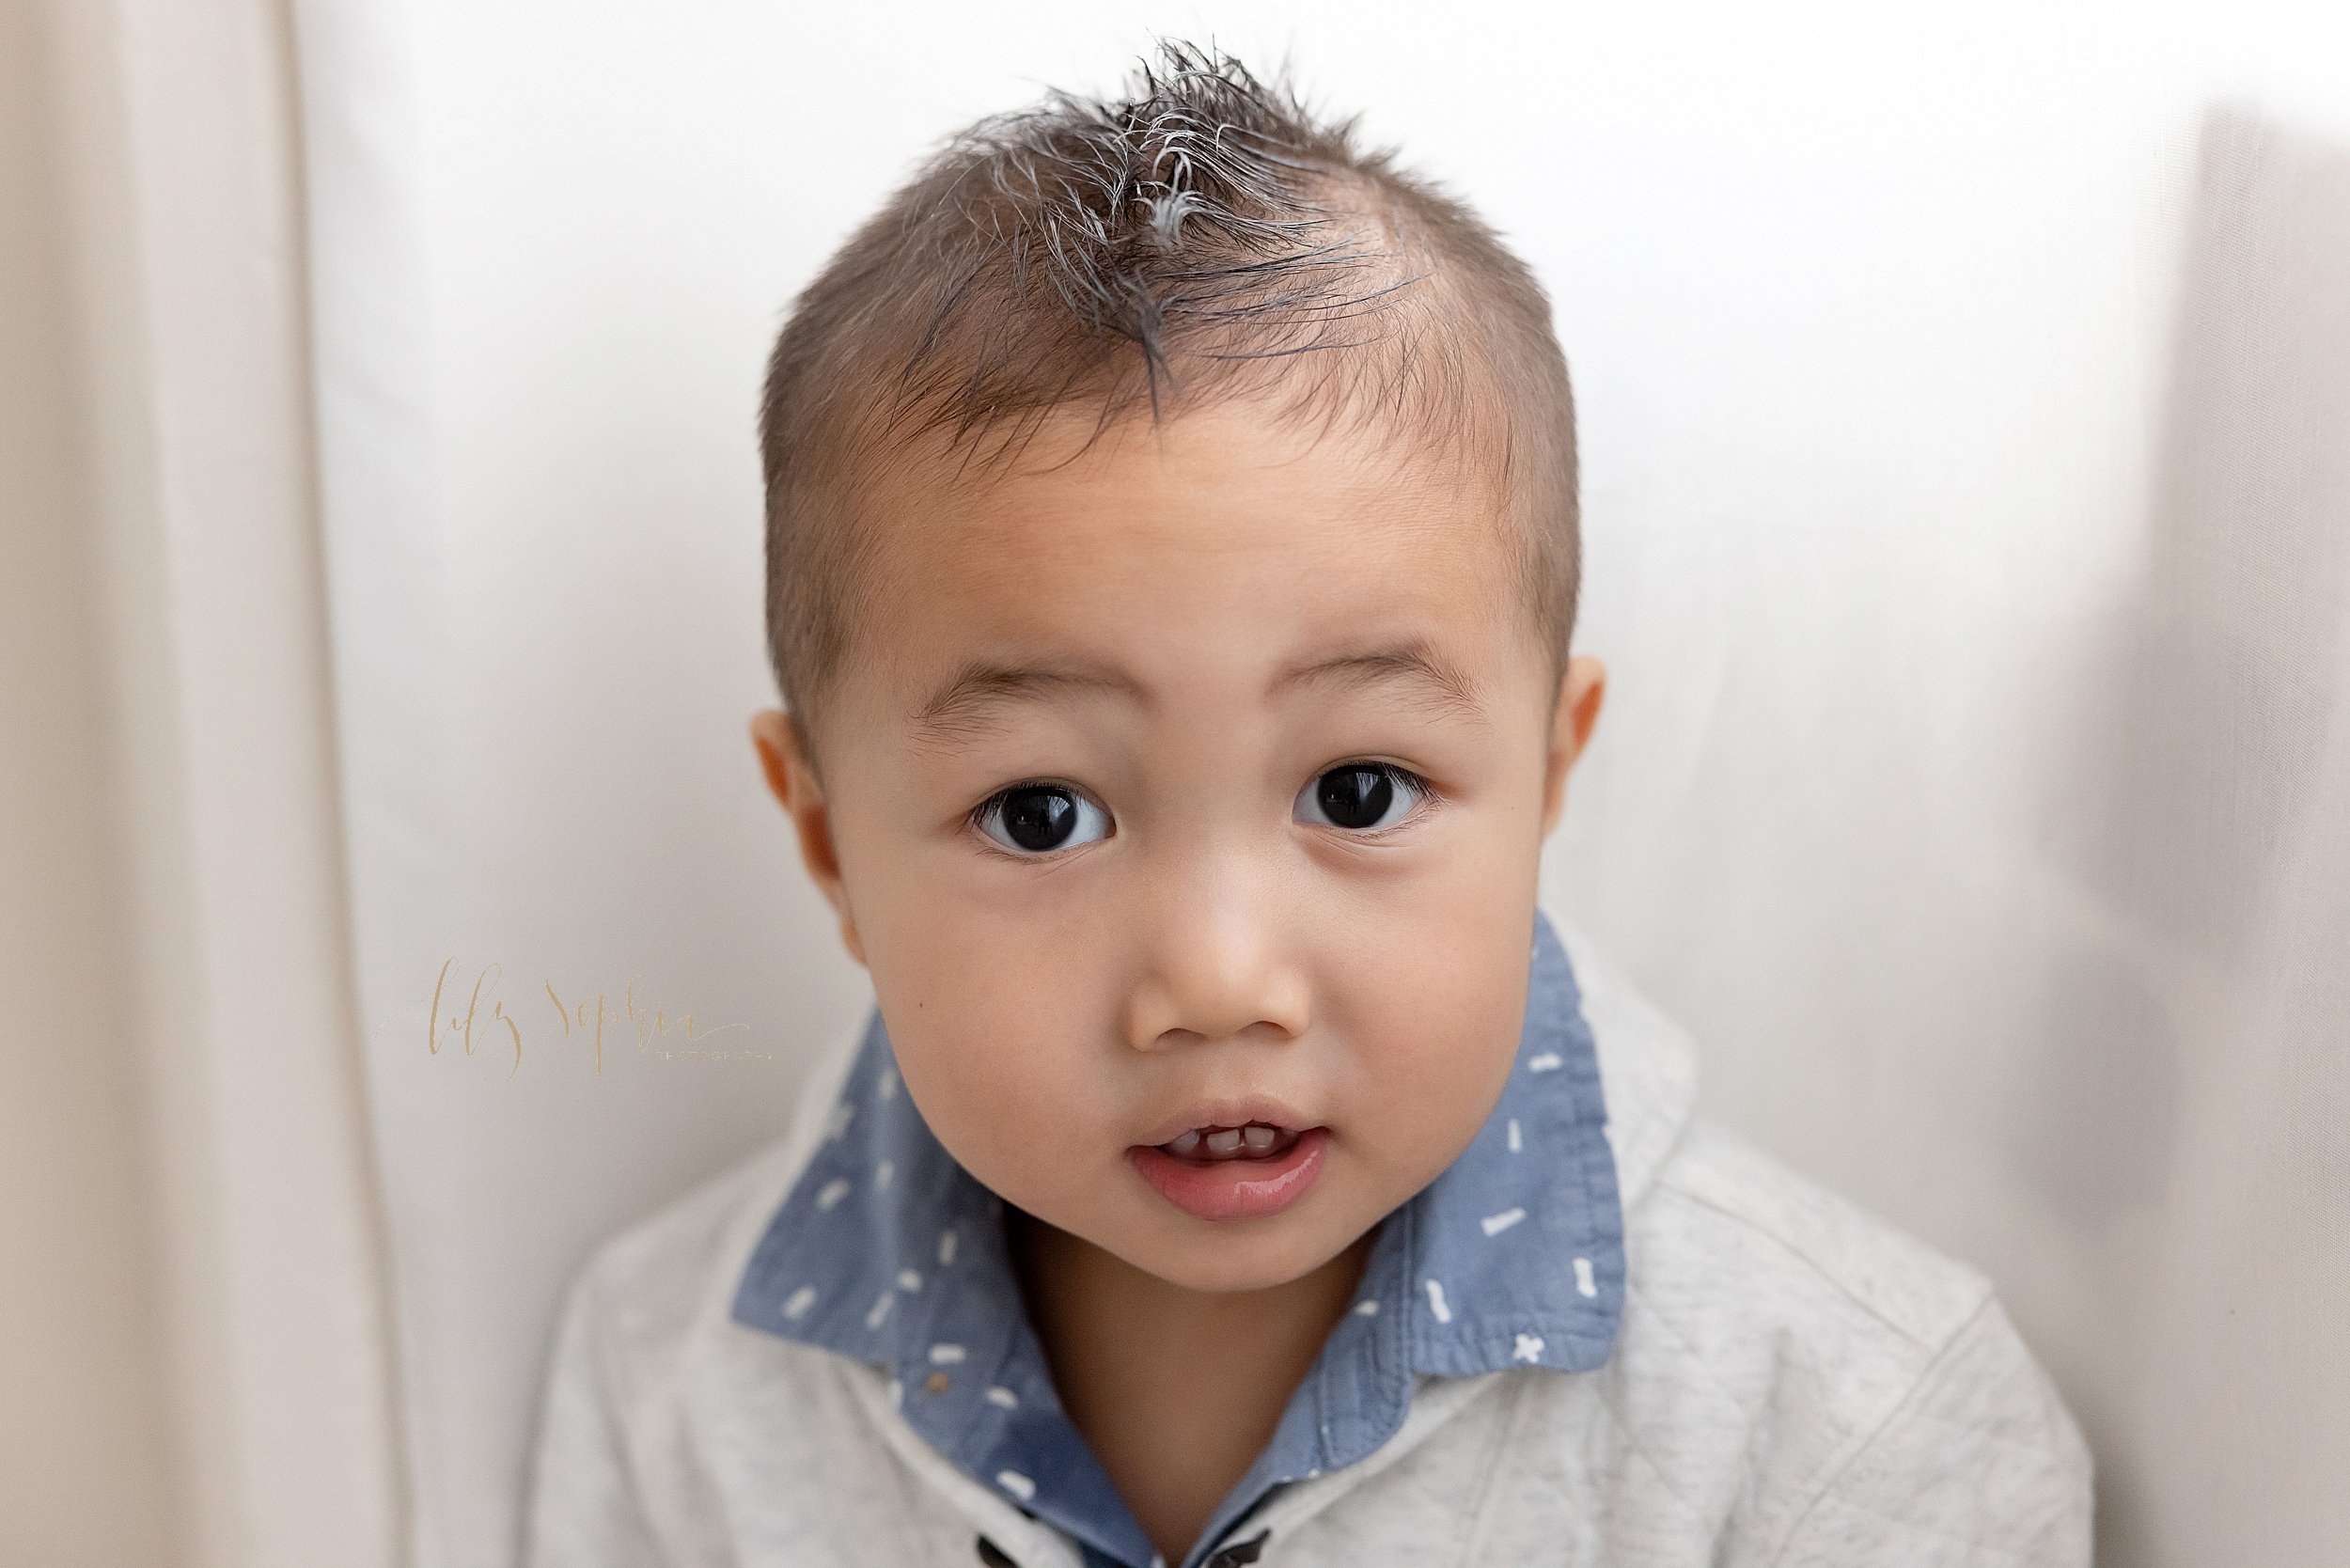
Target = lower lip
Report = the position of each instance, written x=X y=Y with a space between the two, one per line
x=1234 y=1189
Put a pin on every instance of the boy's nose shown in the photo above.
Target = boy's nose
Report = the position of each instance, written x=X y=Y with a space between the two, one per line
x=1219 y=964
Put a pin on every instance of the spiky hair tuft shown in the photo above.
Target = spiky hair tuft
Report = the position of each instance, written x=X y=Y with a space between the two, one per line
x=1202 y=233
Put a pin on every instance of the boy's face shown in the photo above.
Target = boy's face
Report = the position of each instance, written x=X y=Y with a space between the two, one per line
x=1278 y=746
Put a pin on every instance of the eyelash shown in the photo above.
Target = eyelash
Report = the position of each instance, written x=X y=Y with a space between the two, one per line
x=976 y=816
x=978 y=813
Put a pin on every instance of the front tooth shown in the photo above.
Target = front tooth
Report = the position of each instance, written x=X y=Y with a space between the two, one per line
x=1183 y=1144
x=1224 y=1141
x=1258 y=1138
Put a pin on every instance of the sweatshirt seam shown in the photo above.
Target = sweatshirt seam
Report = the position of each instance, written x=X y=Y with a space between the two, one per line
x=1876 y=1430
x=1829 y=1277
x=1505 y=1443
x=615 y=1402
x=1702 y=1518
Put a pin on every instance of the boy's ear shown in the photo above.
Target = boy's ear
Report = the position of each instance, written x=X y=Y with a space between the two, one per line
x=1581 y=690
x=792 y=780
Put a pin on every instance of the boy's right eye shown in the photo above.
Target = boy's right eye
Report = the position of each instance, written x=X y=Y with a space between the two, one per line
x=1038 y=819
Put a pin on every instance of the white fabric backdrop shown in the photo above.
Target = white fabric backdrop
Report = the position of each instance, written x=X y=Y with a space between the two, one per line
x=1964 y=398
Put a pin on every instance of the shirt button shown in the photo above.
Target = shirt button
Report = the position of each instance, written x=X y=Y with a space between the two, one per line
x=1241 y=1551
x=994 y=1556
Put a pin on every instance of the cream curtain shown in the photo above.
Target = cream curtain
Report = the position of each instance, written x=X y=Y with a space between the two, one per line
x=198 y=1369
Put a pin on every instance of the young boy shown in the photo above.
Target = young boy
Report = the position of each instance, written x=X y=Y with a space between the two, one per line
x=1172 y=558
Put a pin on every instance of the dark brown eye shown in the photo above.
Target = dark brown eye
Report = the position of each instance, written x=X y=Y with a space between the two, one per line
x=1037 y=819
x=1360 y=796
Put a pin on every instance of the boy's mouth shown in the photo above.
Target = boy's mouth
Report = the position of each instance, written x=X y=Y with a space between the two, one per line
x=1254 y=1140
x=1237 y=1160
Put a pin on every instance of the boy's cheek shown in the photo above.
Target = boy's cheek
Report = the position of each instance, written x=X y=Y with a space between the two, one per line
x=1426 y=1094
x=1432 y=1040
x=1007 y=1095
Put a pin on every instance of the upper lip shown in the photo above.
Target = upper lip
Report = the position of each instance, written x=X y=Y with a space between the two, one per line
x=1228 y=1113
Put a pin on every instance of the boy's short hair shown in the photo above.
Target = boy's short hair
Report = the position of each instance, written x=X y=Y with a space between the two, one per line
x=1205 y=235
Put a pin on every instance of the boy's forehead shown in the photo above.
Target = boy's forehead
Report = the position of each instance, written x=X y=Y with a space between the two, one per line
x=1218 y=543
x=1253 y=458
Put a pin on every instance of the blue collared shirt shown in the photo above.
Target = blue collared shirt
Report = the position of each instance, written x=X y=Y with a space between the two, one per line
x=888 y=1251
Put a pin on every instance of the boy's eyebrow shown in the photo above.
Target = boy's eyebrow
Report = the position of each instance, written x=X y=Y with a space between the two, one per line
x=966 y=704
x=1409 y=660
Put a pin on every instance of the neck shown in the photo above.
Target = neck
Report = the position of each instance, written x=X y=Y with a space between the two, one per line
x=1176 y=1390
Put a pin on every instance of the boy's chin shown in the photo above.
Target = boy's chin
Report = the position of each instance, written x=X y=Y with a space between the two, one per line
x=1224 y=1261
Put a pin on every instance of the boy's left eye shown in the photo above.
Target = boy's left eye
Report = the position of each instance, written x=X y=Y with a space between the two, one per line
x=1360 y=796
